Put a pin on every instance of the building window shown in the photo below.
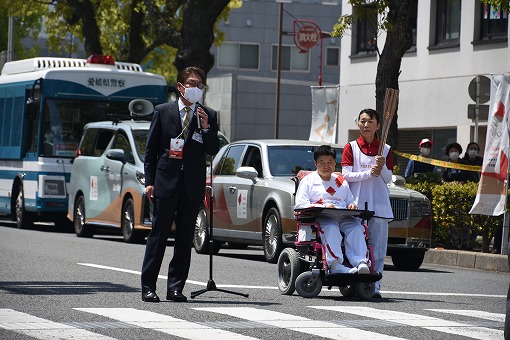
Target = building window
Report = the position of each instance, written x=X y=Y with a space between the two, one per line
x=292 y=59
x=239 y=56
x=364 y=30
x=448 y=22
x=413 y=20
x=332 y=56
x=493 y=22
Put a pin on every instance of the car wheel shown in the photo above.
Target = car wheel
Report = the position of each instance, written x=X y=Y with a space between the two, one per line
x=80 y=228
x=131 y=235
x=306 y=287
x=288 y=270
x=24 y=219
x=273 y=243
x=347 y=291
x=201 y=237
x=365 y=290
x=408 y=260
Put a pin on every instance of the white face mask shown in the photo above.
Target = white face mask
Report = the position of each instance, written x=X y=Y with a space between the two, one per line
x=472 y=153
x=454 y=155
x=192 y=94
x=425 y=151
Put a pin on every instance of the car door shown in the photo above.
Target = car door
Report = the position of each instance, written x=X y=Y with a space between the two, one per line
x=98 y=197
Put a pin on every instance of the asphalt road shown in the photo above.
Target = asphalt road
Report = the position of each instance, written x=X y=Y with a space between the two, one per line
x=54 y=285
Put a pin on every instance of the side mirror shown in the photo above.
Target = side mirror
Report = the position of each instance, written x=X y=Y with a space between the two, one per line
x=398 y=180
x=247 y=172
x=116 y=155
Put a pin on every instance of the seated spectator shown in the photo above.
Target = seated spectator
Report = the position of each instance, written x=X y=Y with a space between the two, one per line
x=323 y=188
x=416 y=167
x=453 y=150
x=471 y=158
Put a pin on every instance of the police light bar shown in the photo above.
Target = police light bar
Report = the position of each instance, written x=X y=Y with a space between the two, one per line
x=100 y=59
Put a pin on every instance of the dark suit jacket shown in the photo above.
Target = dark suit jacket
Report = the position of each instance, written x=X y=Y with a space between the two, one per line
x=164 y=172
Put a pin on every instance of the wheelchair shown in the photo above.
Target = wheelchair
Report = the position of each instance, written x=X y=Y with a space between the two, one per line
x=304 y=268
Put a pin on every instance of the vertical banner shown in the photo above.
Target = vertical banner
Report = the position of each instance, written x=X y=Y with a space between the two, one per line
x=492 y=188
x=324 y=113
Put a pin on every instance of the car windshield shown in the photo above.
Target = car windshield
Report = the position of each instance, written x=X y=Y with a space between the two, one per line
x=140 y=137
x=287 y=160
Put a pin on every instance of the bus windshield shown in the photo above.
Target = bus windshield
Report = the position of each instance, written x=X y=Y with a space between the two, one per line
x=64 y=119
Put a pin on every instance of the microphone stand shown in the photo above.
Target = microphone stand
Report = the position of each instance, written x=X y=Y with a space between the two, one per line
x=211 y=285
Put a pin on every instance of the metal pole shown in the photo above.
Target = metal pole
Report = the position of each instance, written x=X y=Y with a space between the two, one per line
x=477 y=108
x=278 y=73
x=10 y=40
x=506 y=219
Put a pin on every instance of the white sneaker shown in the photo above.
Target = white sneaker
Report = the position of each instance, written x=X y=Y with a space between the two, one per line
x=340 y=268
x=363 y=268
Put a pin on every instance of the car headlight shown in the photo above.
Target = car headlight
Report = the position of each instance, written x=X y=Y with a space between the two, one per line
x=140 y=176
x=421 y=208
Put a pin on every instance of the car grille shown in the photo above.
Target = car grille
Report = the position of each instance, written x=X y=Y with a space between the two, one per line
x=399 y=207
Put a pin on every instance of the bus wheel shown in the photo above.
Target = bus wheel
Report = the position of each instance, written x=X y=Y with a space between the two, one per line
x=131 y=235
x=80 y=228
x=24 y=219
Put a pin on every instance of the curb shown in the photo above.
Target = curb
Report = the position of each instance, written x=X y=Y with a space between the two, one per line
x=467 y=259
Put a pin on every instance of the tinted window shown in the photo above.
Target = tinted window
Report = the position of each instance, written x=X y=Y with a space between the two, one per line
x=140 y=137
x=230 y=161
x=253 y=159
x=87 y=142
x=288 y=160
x=122 y=143
x=103 y=139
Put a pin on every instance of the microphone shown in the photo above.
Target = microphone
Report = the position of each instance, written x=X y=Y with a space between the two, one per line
x=199 y=125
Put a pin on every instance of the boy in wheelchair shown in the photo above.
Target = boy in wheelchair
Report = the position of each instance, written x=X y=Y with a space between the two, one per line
x=324 y=188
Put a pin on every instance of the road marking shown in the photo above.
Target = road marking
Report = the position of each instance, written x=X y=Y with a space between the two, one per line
x=300 y=324
x=416 y=320
x=164 y=323
x=204 y=284
x=499 y=317
x=43 y=329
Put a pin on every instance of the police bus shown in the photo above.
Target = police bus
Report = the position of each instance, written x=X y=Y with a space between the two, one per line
x=44 y=105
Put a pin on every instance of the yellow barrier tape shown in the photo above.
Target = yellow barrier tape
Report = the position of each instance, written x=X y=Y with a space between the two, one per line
x=437 y=162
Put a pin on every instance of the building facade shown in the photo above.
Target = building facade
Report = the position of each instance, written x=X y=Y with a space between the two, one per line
x=454 y=41
x=242 y=85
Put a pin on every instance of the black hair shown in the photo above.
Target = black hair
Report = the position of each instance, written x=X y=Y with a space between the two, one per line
x=371 y=113
x=473 y=143
x=186 y=72
x=324 y=150
x=453 y=145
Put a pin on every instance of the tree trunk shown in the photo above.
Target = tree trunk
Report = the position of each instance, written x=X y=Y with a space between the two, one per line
x=398 y=40
x=86 y=11
x=197 y=35
x=137 y=48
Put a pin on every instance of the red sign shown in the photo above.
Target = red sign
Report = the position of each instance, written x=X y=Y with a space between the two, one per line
x=307 y=36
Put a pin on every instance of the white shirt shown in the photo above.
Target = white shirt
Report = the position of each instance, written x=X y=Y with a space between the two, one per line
x=313 y=191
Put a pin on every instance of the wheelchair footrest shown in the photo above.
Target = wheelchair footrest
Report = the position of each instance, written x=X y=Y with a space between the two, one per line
x=335 y=279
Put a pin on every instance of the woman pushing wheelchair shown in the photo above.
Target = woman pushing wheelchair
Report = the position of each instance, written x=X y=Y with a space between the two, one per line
x=324 y=188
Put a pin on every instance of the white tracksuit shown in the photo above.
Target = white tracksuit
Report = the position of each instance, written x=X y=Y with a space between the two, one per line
x=313 y=191
x=375 y=192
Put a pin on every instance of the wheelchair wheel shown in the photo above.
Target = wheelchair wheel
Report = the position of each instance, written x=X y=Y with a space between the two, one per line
x=347 y=291
x=306 y=287
x=365 y=290
x=288 y=270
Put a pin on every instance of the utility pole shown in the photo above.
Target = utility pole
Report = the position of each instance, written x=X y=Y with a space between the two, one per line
x=10 y=40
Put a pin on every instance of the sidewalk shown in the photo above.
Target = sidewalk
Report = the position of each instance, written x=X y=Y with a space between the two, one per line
x=467 y=259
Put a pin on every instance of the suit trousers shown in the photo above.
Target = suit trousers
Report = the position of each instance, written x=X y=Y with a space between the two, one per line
x=183 y=211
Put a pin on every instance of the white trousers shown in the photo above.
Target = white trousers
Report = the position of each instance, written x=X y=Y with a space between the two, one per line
x=378 y=229
x=354 y=242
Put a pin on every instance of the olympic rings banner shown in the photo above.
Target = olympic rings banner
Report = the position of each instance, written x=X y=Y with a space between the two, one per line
x=493 y=186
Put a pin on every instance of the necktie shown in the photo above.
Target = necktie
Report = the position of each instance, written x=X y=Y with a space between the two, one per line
x=187 y=121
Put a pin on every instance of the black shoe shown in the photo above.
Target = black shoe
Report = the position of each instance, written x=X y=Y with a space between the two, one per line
x=377 y=296
x=150 y=296
x=176 y=296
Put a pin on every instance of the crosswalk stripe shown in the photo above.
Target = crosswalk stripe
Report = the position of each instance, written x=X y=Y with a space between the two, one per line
x=473 y=313
x=297 y=323
x=43 y=329
x=164 y=323
x=416 y=320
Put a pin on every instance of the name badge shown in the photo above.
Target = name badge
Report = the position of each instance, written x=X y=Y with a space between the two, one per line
x=176 y=146
x=197 y=136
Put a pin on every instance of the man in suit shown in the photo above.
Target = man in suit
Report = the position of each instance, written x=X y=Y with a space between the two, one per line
x=181 y=134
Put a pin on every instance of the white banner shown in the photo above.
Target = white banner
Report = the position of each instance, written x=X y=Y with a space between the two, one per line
x=325 y=101
x=492 y=188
